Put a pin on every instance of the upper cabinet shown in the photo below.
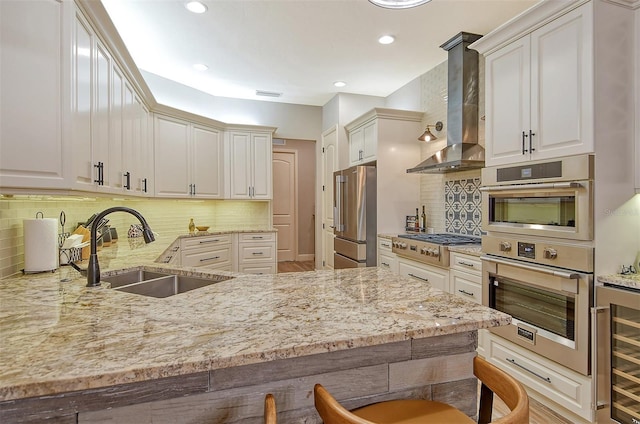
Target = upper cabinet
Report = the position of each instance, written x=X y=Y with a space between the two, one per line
x=389 y=138
x=539 y=92
x=249 y=164
x=558 y=81
x=188 y=159
x=363 y=143
x=31 y=83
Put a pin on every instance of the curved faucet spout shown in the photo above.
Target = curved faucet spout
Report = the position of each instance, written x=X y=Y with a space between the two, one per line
x=93 y=269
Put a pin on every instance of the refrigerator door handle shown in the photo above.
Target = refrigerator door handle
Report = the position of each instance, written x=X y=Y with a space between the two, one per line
x=337 y=209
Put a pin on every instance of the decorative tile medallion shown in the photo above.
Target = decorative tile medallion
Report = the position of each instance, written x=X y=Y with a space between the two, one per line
x=463 y=214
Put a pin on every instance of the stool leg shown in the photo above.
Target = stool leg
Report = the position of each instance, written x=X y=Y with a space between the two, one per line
x=486 y=405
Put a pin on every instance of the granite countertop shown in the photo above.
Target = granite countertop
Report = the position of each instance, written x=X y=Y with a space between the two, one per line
x=60 y=336
x=628 y=280
x=469 y=249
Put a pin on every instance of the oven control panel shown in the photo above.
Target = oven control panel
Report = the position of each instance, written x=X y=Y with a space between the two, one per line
x=554 y=253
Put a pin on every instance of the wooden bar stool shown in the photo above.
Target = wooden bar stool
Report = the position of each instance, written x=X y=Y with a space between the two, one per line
x=270 y=416
x=416 y=411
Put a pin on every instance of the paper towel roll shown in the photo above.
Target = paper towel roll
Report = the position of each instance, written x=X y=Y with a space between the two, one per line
x=40 y=244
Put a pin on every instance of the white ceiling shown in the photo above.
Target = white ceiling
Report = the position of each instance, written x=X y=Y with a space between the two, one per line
x=297 y=47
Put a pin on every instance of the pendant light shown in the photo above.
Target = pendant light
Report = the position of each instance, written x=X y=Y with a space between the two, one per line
x=398 y=4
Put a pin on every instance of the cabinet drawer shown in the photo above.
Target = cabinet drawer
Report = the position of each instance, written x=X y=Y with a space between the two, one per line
x=466 y=286
x=384 y=245
x=257 y=237
x=197 y=242
x=389 y=262
x=265 y=268
x=256 y=253
x=206 y=257
x=561 y=385
x=438 y=279
x=466 y=263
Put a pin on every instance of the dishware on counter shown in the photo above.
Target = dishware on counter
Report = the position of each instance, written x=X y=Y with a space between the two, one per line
x=40 y=244
x=114 y=235
x=202 y=228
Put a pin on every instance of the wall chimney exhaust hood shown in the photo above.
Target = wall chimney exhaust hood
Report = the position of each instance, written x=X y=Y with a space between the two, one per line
x=462 y=151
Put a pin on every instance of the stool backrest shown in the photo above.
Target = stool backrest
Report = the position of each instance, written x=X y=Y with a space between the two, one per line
x=494 y=380
x=331 y=411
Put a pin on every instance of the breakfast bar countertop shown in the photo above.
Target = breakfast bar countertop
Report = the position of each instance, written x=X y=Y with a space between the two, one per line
x=60 y=336
x=627 y=280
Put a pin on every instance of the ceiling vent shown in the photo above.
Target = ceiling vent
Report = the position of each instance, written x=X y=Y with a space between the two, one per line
x=267 y=93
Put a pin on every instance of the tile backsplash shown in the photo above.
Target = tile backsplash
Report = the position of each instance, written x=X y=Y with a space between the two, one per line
x=463 y=200
x=163 y=215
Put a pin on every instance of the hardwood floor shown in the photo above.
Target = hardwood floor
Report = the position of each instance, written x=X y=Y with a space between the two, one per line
x=291 y=266
x=538 y=413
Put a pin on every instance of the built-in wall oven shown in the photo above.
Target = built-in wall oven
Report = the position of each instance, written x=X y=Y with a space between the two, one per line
x=538 y=255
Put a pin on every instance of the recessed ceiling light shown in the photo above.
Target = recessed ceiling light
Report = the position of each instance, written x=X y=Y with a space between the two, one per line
x=398 y=4
x=386 y=39
x=196 y=7
x=264 y=93
x=339 y=83
x=200 y=67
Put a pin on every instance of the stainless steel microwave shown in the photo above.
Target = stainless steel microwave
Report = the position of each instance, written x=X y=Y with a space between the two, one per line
x=552 y=198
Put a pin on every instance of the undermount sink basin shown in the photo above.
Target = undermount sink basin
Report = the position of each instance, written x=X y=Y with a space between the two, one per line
x=156 y=284
x=131 y=277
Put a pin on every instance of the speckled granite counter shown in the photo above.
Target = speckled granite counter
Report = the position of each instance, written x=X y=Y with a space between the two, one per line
x=59 y=336
x=469 y=249
x=631 y=280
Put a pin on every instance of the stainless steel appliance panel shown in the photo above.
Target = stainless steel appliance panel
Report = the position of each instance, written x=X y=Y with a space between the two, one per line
x=617 y=350
x=342 y=262
x=550 y=308
x=355 y=217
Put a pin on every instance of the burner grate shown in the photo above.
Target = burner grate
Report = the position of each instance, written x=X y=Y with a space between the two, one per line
x=444 y=239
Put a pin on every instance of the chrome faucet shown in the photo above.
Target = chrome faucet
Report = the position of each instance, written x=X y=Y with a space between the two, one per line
x=93 y=269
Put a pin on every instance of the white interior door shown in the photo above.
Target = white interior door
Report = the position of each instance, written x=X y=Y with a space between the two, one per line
x=329 y=165
x=284 y=203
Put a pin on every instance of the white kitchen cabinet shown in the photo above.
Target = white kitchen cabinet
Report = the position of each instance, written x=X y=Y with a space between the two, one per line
x=437 y=277
x=257 y=253
x=389 y=138
x=539 y=92
x=32 y=83
x=564 y=389
x=386 y=258
x=249 y=165
x=363 y=143
x=188 y=159
x=212 y=252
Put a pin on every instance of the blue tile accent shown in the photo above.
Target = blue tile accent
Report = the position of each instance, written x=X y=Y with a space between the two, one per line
x=463 y=213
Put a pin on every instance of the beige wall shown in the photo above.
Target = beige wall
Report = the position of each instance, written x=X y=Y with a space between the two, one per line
x=164 y=216
x=306 y=152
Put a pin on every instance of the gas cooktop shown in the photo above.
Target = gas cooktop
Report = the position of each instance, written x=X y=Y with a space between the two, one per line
x=444 y=239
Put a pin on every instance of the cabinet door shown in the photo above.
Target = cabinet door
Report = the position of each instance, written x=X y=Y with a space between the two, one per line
x=31 y=139
x=356 y=146
x=113 y=172
x=507 y=103
x=145 y=167
x=370 y=141
x=262 y=166
x=388 y=261
x=240 y=165
x=100 y=139
x=437 y=278
x=130 y=139
x=81 y=103
x=207 y=162
x=171 y=157
x=562 y=86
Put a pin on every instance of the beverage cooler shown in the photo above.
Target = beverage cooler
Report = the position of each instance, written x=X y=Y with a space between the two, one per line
x=617 y=344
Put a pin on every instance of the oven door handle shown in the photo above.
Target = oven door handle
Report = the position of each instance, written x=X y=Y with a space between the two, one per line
x=572 y=184
x=555 y=273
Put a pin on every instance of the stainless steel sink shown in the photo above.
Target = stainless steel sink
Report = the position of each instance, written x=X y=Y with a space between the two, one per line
x=156 y=284
x=131 y=277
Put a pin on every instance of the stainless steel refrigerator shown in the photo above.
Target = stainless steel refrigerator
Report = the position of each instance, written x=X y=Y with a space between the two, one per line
x=354 y=217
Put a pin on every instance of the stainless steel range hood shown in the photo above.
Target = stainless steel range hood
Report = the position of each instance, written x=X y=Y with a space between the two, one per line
x=462 y=151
